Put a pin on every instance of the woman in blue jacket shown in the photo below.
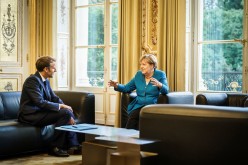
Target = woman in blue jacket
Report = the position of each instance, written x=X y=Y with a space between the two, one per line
x=148 y=82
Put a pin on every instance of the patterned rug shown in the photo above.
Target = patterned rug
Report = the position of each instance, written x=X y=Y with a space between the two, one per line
x=43 y=159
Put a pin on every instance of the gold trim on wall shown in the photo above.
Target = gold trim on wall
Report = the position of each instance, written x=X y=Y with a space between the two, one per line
x=149 y=26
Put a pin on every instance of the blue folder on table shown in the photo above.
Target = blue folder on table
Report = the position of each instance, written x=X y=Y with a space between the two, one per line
x=79 y=127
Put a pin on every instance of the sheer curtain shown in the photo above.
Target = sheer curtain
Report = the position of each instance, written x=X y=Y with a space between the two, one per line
x=129 y=52
x=171 y=41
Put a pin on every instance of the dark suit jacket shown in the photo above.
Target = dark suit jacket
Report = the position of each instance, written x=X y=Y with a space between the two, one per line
x=35 y=98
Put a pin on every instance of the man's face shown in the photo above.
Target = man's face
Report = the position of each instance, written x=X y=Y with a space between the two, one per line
x=49 y=71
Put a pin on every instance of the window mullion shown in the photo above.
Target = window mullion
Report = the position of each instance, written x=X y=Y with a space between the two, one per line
x=107 y=53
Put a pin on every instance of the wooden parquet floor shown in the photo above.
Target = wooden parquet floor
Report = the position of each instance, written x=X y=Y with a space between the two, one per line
x=42 y=159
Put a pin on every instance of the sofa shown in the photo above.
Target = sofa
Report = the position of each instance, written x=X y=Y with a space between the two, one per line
x=195 y=134
x=170 y=98
x=18 y=138
x=223 y=99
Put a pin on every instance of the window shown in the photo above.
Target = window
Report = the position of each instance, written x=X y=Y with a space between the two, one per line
x=94 y=55
x=219 y=45
x=96 y=35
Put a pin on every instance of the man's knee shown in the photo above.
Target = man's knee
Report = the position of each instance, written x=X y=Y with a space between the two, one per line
x=66 y=113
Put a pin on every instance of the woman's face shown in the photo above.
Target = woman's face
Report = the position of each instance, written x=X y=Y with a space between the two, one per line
x=146 y=68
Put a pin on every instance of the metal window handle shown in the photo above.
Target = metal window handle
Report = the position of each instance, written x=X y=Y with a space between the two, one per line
x=242 y=41
x=100 y=46
x=246 y=69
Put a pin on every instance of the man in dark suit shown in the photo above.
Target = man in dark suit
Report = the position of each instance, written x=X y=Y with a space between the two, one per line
x=39 y=106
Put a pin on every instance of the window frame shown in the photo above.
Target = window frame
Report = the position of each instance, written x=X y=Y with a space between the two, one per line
x=194 y=50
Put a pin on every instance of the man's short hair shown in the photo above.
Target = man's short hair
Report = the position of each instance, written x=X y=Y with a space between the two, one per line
x=43 y=62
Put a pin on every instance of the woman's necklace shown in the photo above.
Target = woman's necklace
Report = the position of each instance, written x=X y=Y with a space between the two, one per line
x=148 y=77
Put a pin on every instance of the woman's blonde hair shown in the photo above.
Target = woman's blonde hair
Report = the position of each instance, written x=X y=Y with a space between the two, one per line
x=150 y=58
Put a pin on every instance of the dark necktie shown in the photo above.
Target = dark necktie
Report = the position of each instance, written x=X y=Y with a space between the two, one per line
x=47 y=90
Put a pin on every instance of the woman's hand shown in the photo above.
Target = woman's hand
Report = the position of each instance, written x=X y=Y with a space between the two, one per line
x=155 y=82
x=112 y=83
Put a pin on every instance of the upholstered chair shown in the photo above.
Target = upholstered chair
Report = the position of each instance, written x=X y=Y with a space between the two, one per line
x=223 y=99
x=170 y=98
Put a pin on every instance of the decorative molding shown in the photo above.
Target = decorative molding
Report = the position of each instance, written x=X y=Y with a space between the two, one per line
x=11 y=33
x=10 y=82
x=62 y=61
x=8 y=31
x=149 y=26
x=154 y=21
x=62 y=12
x=62 y=42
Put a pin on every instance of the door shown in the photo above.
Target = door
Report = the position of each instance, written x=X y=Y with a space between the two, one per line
x=220 y=45
x=95 y=53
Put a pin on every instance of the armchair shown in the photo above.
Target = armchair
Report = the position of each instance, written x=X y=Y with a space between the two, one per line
x=195 y=134
x=170 y=98
x=223 y=99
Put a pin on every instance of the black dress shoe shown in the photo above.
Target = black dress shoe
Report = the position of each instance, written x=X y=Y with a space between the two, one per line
x=58 y=152
x=75 y=150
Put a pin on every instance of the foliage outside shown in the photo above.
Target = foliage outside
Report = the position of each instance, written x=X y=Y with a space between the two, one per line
x=95 y=63
x=222 y=63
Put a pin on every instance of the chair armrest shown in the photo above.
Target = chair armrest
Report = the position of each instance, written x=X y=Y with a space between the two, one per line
x=82 y=103
x=246 y=102
x=126 y=98
x=176 y=98
x=170 y=98
x=219 y=99
x=236 y=99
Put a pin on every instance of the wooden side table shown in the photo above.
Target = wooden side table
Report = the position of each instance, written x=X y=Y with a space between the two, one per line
x=128 y=150
x=97 y=152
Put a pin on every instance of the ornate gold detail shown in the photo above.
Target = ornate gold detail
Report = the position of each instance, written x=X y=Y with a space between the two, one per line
x=144 y=48
x=149 y=26
x=154 y=21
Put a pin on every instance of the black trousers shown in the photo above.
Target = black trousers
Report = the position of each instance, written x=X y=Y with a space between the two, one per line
x=61 y=139
x=133 y=119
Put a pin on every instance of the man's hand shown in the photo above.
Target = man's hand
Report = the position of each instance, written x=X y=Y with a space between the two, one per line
x=72 y=121
x=65 y=106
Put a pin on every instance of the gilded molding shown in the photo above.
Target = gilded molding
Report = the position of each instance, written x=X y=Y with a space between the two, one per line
x=149 y=26
x=144 y=47
x=154 y=21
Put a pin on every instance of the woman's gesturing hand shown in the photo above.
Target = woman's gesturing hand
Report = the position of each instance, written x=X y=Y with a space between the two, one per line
x=155 y=82
x=112 y=83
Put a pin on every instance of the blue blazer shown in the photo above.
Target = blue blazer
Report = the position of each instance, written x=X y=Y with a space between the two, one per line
x=146 y=93
x=34 y=97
